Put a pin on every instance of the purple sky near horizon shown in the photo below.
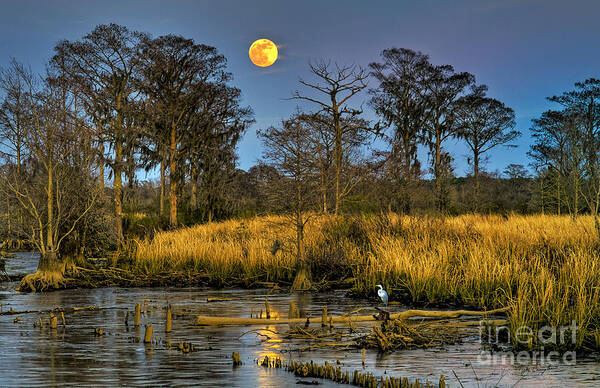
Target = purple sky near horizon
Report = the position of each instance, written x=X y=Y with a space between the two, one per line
x=524 y=50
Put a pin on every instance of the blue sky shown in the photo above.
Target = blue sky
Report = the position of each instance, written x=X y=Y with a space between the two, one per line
x=523 y=50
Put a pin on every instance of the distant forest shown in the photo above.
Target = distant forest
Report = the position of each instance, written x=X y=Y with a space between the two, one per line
x=117 y=103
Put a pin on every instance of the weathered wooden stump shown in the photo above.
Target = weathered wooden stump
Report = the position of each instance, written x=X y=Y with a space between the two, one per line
x=148 y=334
x=169 y=320
x=235 y=356
x=138 y=314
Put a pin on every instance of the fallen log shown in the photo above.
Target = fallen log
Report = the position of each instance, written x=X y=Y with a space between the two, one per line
x=204 y=320
x=60 y=310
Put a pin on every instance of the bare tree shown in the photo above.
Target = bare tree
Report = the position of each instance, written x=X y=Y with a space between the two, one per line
x=322 y=134
x=13 y=118
x=13 y=114
x=323 y=139
x=335 y=86
x=289 y=150
x=52 y=131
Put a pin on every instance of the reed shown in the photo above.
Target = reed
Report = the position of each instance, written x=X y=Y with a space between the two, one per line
x=546 y=268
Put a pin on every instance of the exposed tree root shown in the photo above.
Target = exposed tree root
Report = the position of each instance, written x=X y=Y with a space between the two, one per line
x=80 y=277
x=302 y=280
x=42 y=281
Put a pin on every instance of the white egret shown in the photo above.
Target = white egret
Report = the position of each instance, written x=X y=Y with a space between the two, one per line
x=382 y=294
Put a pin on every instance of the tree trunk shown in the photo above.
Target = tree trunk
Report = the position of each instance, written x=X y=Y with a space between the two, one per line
x=324 y=189
x=338 y=157
x=300 y=240
x=407 y=174
x=172 y=181
x=118 y=189
x=49 y=261
x=302 y=280
x=558 y=196
x=101 y=166
x=18 y=161
x=542 y=193
x=576 y=196
x=50 y=208
x=476 y=174
x=436 y=170
x=194 y=194
x=162 y=188
x=9 y=216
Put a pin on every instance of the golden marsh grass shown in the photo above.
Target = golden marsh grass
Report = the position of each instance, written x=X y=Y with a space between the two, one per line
x=546 y=268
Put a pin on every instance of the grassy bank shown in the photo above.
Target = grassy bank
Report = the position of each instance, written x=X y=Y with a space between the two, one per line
x=546 y=268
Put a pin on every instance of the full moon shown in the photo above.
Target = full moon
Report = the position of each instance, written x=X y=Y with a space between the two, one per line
x=263 y=53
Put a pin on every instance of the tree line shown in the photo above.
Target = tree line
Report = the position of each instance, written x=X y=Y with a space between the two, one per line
x=565 y=151
x=118 y=102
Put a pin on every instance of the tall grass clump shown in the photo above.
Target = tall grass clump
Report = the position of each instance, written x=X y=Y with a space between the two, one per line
x=545 y=268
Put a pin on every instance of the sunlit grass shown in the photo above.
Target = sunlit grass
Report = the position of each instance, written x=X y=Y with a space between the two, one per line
x=546 y=268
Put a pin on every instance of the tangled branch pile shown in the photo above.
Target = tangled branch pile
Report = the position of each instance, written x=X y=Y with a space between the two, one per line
x=396 y=334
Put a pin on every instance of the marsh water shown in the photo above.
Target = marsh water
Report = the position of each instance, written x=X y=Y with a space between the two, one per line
x=39 y=356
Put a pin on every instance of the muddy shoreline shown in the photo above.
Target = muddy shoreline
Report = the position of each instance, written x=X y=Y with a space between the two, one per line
x=92 y=278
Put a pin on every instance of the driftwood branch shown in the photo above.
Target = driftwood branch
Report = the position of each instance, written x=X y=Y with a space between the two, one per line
x=219 y=321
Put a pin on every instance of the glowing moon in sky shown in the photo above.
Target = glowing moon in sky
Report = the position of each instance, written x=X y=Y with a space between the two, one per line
x=263 y=53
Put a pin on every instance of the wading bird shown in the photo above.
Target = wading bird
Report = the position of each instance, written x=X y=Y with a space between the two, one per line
x=382 y=294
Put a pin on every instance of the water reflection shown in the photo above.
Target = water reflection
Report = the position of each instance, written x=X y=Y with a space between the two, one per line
x=40 y=356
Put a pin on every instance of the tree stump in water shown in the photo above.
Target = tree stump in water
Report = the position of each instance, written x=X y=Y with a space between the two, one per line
x=169 y=320
x=148 y=334
x=302 y=281
x=267 y=309
x=383 y=315
x=138 y=313
x=235 y=356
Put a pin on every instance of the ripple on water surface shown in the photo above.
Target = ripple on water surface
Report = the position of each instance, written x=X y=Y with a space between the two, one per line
x=33 y=356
